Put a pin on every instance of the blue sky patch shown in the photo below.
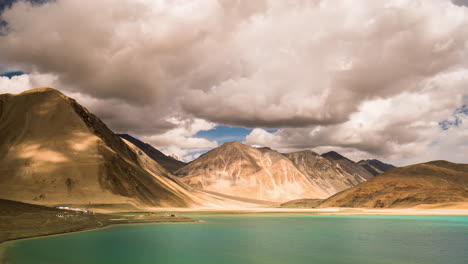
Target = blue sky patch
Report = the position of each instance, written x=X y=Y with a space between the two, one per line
x=11 y=74
x=455 y=120
x=223 y=134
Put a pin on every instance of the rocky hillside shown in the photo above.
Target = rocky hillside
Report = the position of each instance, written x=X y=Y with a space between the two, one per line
x=375 y=167
x=348 y=165
x=54 y=151
x=434 y=182
x=328 y=175
x=169 y=163
x=239 y=170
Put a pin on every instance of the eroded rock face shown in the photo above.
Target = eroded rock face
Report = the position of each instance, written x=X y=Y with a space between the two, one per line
x=328 y=175
x=434 y=182
x=375 y=167
x=54 y=151
x=170 y=163
x=239 y=170
x=348 y=165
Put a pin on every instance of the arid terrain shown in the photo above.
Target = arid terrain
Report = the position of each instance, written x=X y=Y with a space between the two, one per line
x=432 y=183
x=169 y=163
x=21 y=220
x=55 y=153
x=239 y=170
x=328 y=174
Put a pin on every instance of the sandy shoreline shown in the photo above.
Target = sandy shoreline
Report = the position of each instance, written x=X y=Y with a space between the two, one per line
x=317 y=211
x=208 y=211
x=267 y=210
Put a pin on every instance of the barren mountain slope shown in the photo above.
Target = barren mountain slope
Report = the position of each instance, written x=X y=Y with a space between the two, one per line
x=169 y=163
x=239 y=170
x=434 y=182
x=326 y=175
x=53 y=151
x=375 y=167
x=348 y=165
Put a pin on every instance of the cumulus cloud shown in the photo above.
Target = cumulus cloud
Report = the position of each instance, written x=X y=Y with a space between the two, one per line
x=302 y=66
x=366 y=76
x=20 y=83
x=180 y=141
x=401 y=129
x=460 y=2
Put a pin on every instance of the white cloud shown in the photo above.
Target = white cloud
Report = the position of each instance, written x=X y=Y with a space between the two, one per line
x=400 y=129
x=368 y=77
x=180 y=141
x=20 y=83
x=271 y=64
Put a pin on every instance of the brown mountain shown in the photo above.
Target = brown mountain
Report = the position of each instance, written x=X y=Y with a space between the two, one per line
x=347 y=165
x=54 y=151
x=239 y=170
x=326 y=174
x=169 y=163
x=434 y=182
x=375 y=167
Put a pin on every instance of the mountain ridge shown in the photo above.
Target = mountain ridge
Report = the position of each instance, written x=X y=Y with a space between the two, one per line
x=325 y=174
x=434 y=182
x=348 y=165
x=240 y=170
x=375 y=166
x=169 y=163
x=55 y=151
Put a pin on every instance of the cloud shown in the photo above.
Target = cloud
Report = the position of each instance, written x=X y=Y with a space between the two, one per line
x=180 y=141
x=400 y=129
x=20 y=83
x=162 y=53
x=290 y=78
x=460 y=2
x=371 y=76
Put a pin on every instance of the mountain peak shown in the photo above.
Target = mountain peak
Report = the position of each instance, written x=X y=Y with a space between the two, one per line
x=56 y=151
x=233 y=143
x=348 y=165
x=333 y=155
x=441 y=163
x=305 y=152
x=42 y=90
x=375 y=166
x=240 y=170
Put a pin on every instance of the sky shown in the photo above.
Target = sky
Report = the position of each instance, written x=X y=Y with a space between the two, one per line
x=369 y=79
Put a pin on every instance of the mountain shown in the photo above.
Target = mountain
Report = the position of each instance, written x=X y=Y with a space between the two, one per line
x=375 y=167
x=54 y=151
x=239 y=170
x=327 y=175
x=434 y=182
x=174 y=156
x=302 y=203
x=169 y=163
x=347 y=165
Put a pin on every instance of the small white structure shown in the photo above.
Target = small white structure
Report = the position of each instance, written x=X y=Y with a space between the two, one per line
x=75 y=209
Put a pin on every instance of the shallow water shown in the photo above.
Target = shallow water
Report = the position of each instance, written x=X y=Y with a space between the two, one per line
x=262 y=238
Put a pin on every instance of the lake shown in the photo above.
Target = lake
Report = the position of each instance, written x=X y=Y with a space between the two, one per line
x=259 y=238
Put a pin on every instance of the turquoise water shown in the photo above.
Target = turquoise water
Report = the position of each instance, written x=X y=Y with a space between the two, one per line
x=285 y=239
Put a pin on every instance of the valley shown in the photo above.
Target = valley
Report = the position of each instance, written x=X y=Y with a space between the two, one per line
x=55 y=153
